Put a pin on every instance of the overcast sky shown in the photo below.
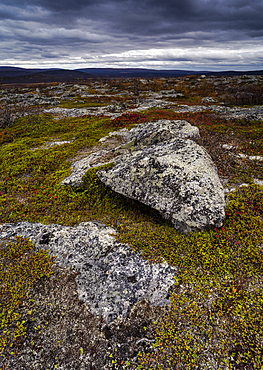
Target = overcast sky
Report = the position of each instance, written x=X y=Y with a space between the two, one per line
x=159 y=34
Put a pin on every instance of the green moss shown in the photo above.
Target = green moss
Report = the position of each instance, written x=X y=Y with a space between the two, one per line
x=81 y=103
x=226 y=262
x=20 y=267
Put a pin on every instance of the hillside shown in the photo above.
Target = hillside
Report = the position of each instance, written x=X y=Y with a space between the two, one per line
x=27 y=76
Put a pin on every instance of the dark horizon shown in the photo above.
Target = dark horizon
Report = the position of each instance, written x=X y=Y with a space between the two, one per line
x=24 y=75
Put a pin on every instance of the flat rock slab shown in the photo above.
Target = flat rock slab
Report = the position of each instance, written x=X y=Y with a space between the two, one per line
x=112 y=278
x=80 y=167
x=95 y=158
x=178 y=178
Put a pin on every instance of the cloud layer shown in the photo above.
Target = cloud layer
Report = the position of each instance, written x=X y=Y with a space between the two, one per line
x=168 y=34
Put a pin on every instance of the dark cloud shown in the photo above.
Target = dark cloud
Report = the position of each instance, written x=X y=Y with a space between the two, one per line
x=175 y=33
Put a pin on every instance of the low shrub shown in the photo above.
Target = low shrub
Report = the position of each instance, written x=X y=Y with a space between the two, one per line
x=20 y=267
x=216 y=302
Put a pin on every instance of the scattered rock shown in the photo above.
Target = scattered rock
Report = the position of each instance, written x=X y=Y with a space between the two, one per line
x=258 y=182
x=208 y=99
x=228 y=146
x=97 y=157
x=50 y=144
x=234 y=188
x=124 y=133
x=250 y=157
x=253 y=113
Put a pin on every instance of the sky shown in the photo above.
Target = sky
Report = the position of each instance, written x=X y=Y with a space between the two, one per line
x=160 y=34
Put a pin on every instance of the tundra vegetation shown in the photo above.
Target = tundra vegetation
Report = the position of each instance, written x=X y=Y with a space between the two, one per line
x=215 y=319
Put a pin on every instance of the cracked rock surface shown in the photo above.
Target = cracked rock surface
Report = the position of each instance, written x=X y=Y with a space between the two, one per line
x=172 y=174
x=111 y=278
x=146 y=134
x=80 y=167
x=161 y=167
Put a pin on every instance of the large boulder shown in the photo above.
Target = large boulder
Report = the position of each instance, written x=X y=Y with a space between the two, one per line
x=112 y=278
x=138 y=137
x=163 y=130
x=152 y=133
x=173 y=175
x=160 y=166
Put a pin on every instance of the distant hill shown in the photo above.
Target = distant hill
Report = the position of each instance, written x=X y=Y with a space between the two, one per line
x=28 y=76
x=236 y=73
x=15 y=71
x=15 y=75
x=136 y=72
x=142 y=72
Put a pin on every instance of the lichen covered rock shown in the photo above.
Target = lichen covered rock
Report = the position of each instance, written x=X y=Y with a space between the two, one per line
x=178 y=178
x=152 y=133
x=111 y=278
x=163 y=130
x=80 y=167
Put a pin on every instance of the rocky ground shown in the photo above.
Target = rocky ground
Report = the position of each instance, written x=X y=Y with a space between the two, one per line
x=63 y=331
x=136 y=95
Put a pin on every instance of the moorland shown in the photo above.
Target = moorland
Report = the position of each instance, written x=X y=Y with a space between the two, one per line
x=215 y=318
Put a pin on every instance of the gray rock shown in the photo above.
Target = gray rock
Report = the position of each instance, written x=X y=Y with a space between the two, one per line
x=163 y=130
x=79 y=168
x=253 y=113
x=258 y=182
x=177 y=178
x=236 y=112
x=140 y=136
x=77 y=112
x=124 y=133
x=111 y=277
x=208 y=99
x=158 y=167
x=94 y=159
x=250 y=157
x=50 y=144
x=151 y=103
